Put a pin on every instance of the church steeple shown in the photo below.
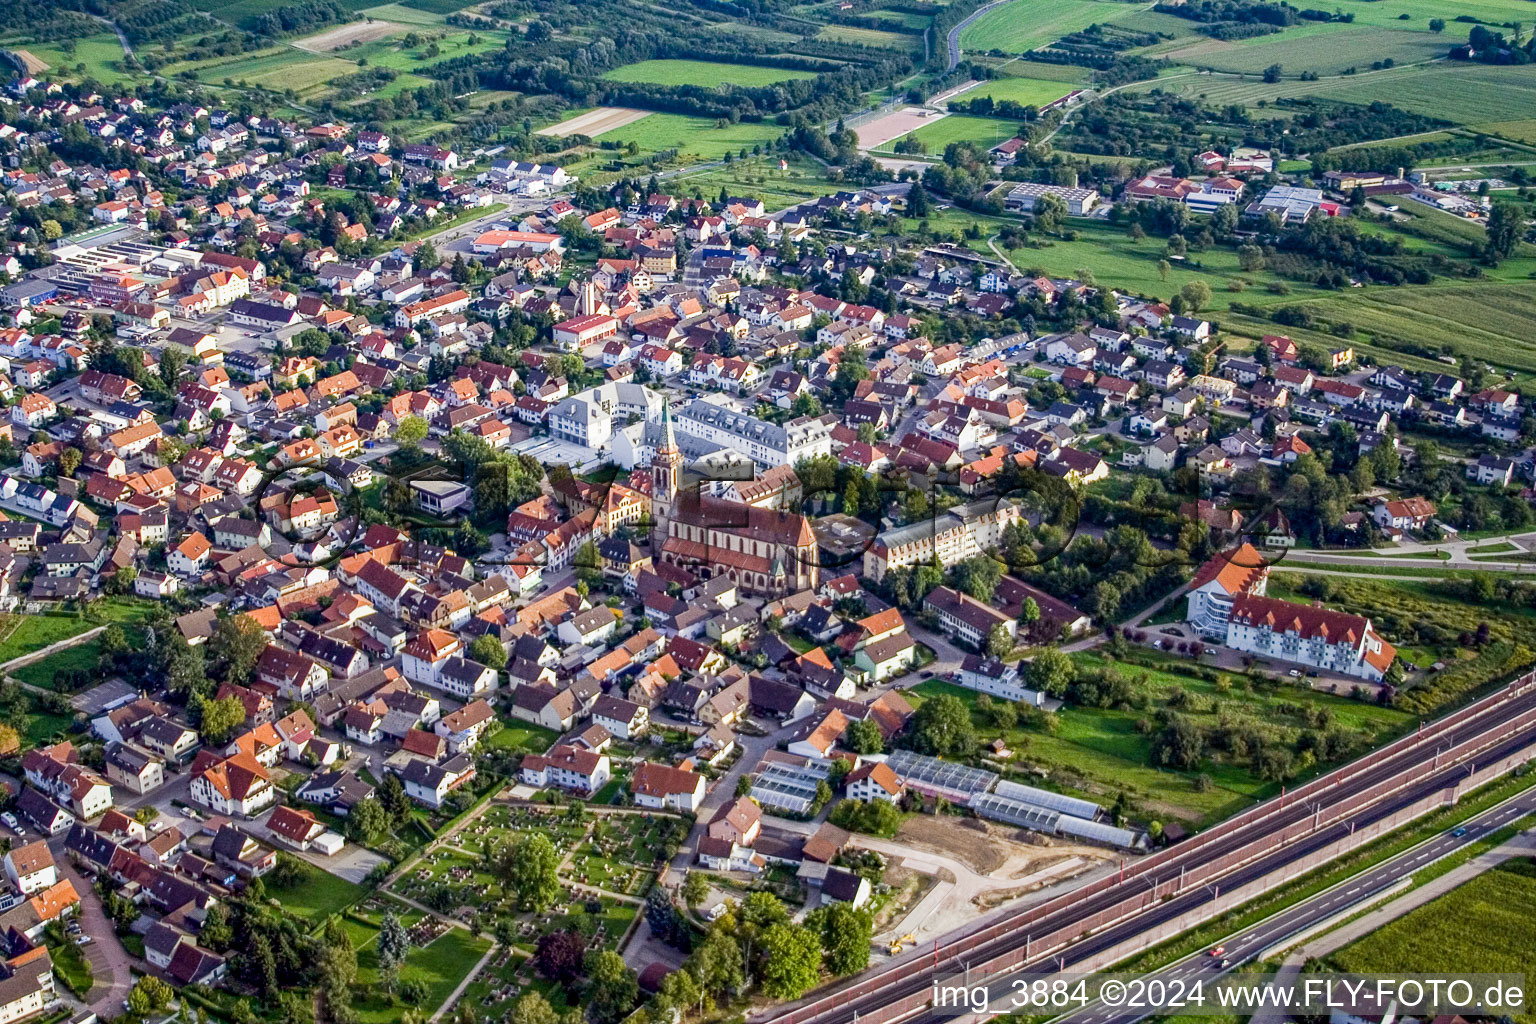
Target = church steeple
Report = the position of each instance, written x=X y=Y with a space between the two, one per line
x=666 y=467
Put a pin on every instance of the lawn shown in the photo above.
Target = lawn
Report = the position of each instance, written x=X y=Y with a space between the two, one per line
x=82 y=657
x=316 y=895
x=24 y=634
x=1036 y=91
x=696 y=138
x=101 y=55
x=1025 y=25
x=1501 y=904
x=442 y=965
x=523 y=737
x=694 y=72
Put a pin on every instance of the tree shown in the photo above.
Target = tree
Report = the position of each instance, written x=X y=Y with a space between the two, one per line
x=846 y=932
x=917 y=202
x=69 y=461
x=1163 y=267
x=717 y=964
x=1052 y=672
x=677 y=991
x=999 y=641
x=410 y=432
x=1196 y=294
x=695 y=890
x=942 y=726
x=529 y=868
x=1029 y=611
x=533 y=1008
x=394 y=942
x=237 y=642
x=149 y=995
x=217 y=720
x=612 y=987
x=1272 y=73
x=488 y=651
x=863 y=736
x=979 y=576
x=1250 y=258
x=1504 y=230
x=791 y=961
x=1050 y=211
x=1437 y=24
x=558 y=955
x=367 y=822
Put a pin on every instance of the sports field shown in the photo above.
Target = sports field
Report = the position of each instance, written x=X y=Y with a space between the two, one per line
x=1028 y=91
x=702 y=72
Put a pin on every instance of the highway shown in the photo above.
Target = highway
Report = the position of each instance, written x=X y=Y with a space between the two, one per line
x=1317 y=909
x=1259 y=843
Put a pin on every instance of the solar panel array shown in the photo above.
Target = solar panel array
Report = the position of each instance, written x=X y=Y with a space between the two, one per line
x=1050 y=801
x=785 y=788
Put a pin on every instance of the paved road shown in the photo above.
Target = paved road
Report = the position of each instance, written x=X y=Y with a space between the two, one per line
x=110 y=962
x=953 y=40
x=1337 y=900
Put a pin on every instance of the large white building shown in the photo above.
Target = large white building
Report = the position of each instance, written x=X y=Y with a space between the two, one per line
x=960 y=533
x=1243 y=570
x=766 y=444
x=591 y=417
x=1309 y=635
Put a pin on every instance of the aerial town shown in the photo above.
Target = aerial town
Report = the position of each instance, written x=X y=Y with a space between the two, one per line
x=516 y=575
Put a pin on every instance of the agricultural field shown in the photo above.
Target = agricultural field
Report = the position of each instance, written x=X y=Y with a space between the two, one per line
x=695 y=72
x=1523 y=130
x=695 y=138
x=760 y=176
x=1327 y=48
x=279 y=69
x=1035 y=91
x=1489 y=921
x=1026 y=25
x=99 y=57
x=1017 y=68
x=1488 y=320
x=870 y=37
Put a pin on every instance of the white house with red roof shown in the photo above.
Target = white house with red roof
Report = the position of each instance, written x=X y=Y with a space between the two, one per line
x=1308 y=635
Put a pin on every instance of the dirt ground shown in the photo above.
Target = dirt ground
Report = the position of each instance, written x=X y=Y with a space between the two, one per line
x=955 y=837
x=893 y=126
x=34 y=66
x=594 y=122
x=343 y=35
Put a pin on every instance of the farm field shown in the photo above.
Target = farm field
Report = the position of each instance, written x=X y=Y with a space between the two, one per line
x=101 y=55
x=1035 y=91
x=278 y=69
x=984 y=131
x=1436 y=936
x=1045 y=72
x=1026 y=25
x=696 y=72
x=1327 y=48
x=760 y=176
x=593 y=123
x=698 y=138
x=1523 y=130
x=1458 y=93
x=870 y=37
x=404 y=15
x=1487 y=320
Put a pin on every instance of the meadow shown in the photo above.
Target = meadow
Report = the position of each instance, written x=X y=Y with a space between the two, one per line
x=1034 y=91
x=871 y=37
x=696 y=138
x=761 y=177
x=1327 y=48
x=696 y=72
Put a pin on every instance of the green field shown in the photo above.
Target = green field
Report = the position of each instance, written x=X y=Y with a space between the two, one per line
x=761 y=177
x=1025 y=25
x=1487 y=923
x=1046 y=72
x=1487 y=320
x=699 y=138
x=1461 y=93
x=1523 y=130
x=278 y=69
x=1034 y=91
x=100 y=55
x=870 y=37
x=696 y=72
x=316 y=895
x=1098 y=752
x=404 y=15
x=523 y=737
x=243 y=13
x=1327 y=48
x=984 y=131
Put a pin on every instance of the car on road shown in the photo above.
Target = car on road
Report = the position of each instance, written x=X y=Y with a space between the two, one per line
x=1459 y=832
x=1217 y=951
x=1226 y=961
x=10 y=821
x=1295 y=673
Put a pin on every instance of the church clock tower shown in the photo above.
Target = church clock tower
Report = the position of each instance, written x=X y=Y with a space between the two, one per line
x=666 y=470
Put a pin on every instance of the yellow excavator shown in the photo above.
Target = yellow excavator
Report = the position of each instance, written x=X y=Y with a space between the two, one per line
x=908 y=939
